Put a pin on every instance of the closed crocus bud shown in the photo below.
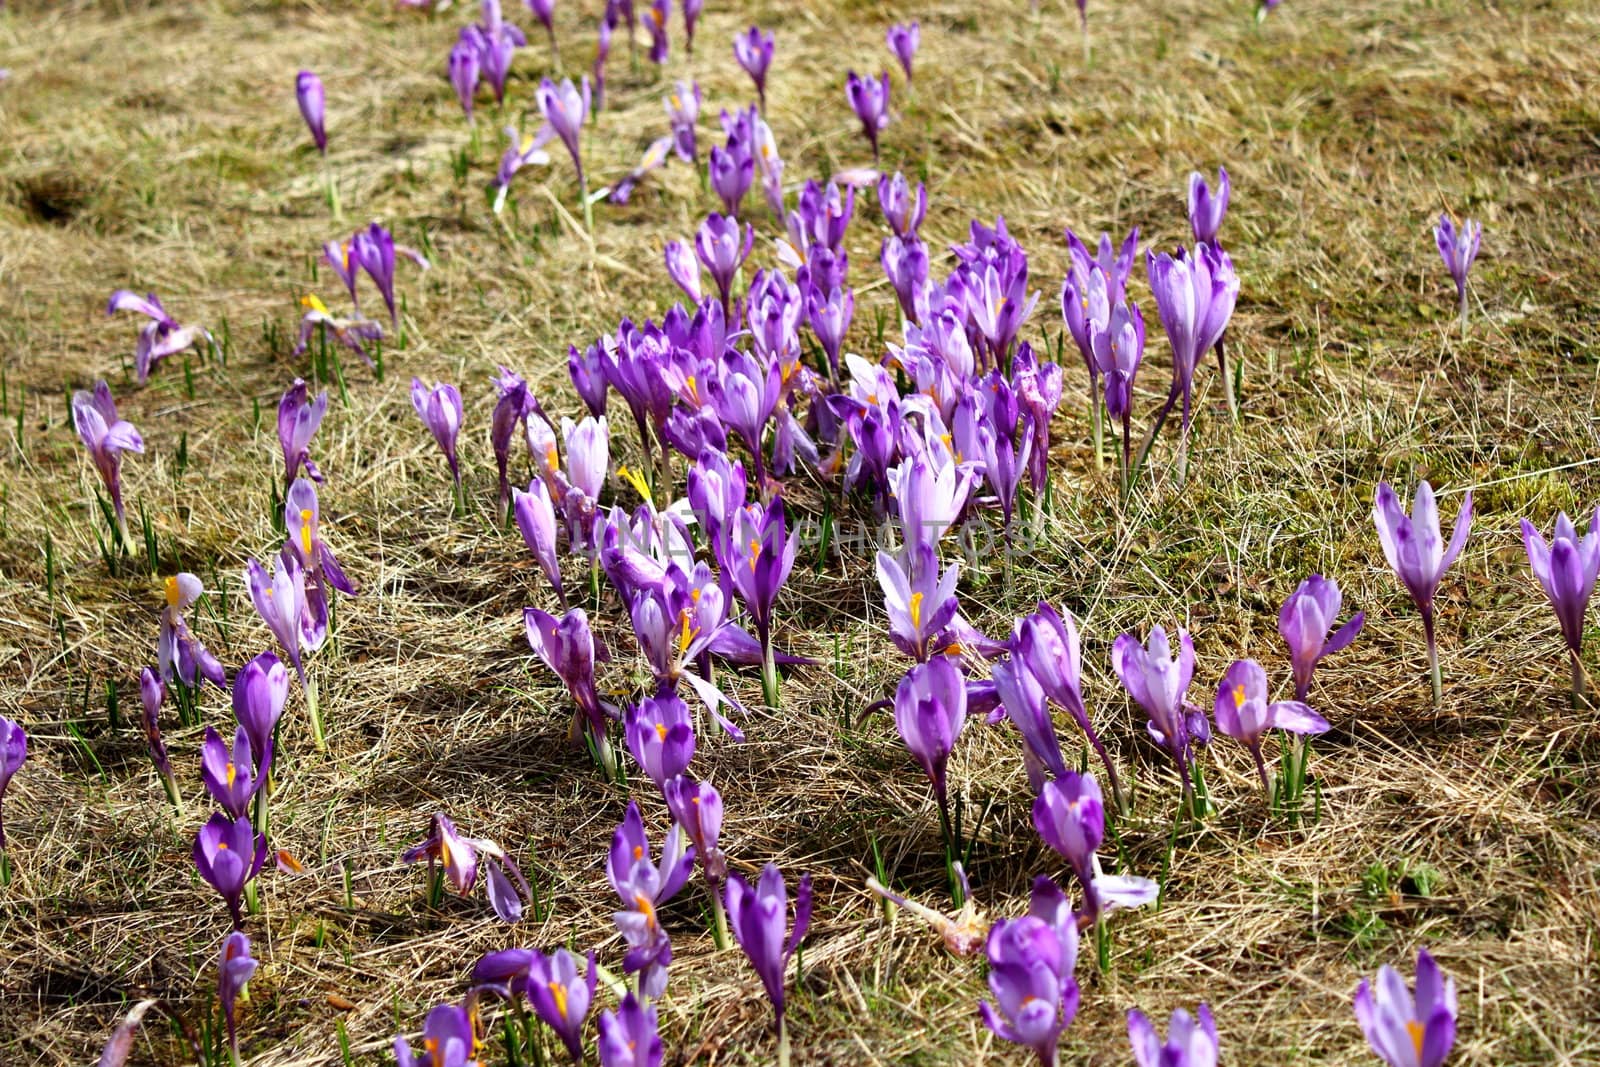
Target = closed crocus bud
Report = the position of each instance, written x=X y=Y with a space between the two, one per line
x=1191 y=1040
x=588 y=454
x=1070 y=816
x=903 y=213
x=228 y=853
x=299 y=417
x=587 y=370
x=259 y=691
x=1458 y=248
x=869 y=97
x=234 y=970
x=565 y=109
x=465 y=71
x=1566 y=569
x=1406 y=1029
x=1030 y=977
x=1417 y=554
x=753 y=50
x=308 y=93
x=683 y=269
x=1157 y=680
x=903 y=39
x=440 y=410
x=722 y=250
x=1304 y=622
x=536 y=519
x=628 y=1036
x=757 y=916
x=1208 y=206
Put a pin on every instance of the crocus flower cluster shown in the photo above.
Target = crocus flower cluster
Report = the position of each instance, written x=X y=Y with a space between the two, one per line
x=159 y=338
x=483 y=52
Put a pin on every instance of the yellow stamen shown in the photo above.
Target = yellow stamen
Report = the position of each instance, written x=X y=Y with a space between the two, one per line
x=527 y=143
x=694 y=393
x=661 y=731
x=633 y=478
x=1238 y=696
x=916 y=610
x=559 y=992
x=1415 y=1029
x=314 y=302
x=638 y=852
x=232 y=774
x=642 y=904
x=685 y=633
x=755 y=553
x=172 y=592
x=552 y=459
x=305 y=530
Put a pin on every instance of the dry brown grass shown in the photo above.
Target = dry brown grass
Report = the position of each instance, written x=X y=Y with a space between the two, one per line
x=157 y=146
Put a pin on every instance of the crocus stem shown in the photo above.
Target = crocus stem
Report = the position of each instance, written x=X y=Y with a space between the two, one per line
x=1183 y=444
x=1433 y=660
x=1261 y=769
x=315 y=713
x=171 y=786
x=1227 y=383
x=1085 y=42
x=1463 y=312
x=1095 y=427
x=1155 y=431
x=555 y=49
x=1127 y=442
x=333 y=190
x=719 y=917
x=1577 y=681
x=783 y=1043
x=769 y=673
x=946 y=828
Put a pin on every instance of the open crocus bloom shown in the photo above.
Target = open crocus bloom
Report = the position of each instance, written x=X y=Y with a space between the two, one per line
x=1191 y=1040
x=1409 y=1030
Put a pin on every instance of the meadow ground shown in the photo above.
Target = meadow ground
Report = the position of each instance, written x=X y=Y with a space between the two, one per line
x=156 y=146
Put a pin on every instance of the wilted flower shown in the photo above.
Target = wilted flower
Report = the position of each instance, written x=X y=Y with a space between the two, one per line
x=1243 y=713
x=106 y=437
x=753 y=50
x=349 y=332
x=567 y=647
x=1304 y=621
x=655 y=156
x=1417 y=553
x=869 y=97
x=179 y=652
x=1566 y=569
x=758 y=917
x=162 y=336
x=309 y=95
x=440 y=411
x=1409 y=1030
x=522 y=152
x=299 y=416
x=903 y=38
x=1190 y=1042
x=1458 y=248
x=228 y=853
x=13 y=751
x=460 y=858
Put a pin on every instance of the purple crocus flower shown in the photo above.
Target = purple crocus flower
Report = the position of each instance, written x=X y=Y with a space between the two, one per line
x=309 y=95
x=1406 y=1029
x=753 y=50
x=299 y=416
x=1118 y=350
x=303 y=520
x=460 y=857
x=1022 y=700
x=829 y=316
x=440 y=411
x=683 y=268
x=930 y=708
x=660 y=735
x=1195 y=295
x=521 y=152
x=1030 y=976
x=1047 y=645
x=717 y=245
x=763 y=555
x=536 y=519
x=903 y=39
x=545 y=12
x=228 y=853
x=447 y=1036
x=234 y=970
x=1243 y=713
x=159 y=338
x=342 y=259
x=1566 y=569
x=514 y=402
x=179 y=652
x=1070 y=816
x=903 y=213
x=465 y=70
x=697 y=807
x=1417 y=554
x=566 y=109
x=732 y=169
x=1304 y=621
x=683 y=111
x=260 y=689
x=349 y=332
x=628 y=1036
x=758 y=916
x=280 y=599
x=1207 y=207
x=229 y=774
x=905 y=263
x=869 y=97
x=643 y=887
x=13 y=752
x=375 y=249
x=152 y=694
x=919 y=599
x=588 y=373
x=1458 y=248
x=1157 y=680
x=655 y=20
x=1191 y=1041
x=106 y=437
x=560 y=997
x=567 y=648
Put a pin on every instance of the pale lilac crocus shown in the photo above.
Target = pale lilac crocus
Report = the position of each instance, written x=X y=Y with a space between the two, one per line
x=228 y=853
x=1458 y=248
x=234 y=970
x=683 y=269
x=560 y=998
x=902 y=211
x=179 y=653
x=106 y=436
x=1191 y=1039
x=536 y=519
x=308 y=93
x=159 y=338
x=1157 y=681
x=13 y=753
x=1031 y=963
x=643 y=885
x=440 y=410
x=869 y=98
x=279 y=597
x=903 y=39
x=753 y=50
x=758 y=916
x=919 y=599
x=722 y=250
x=629 y=1035
x=1069 y=815
x=1417 y=554
x=1409 y=1029
x=523 y=151
x=1566 y=568
x=299 y=416
x=683 y=111
x=1304 y=621
x=1207 y=206
x=1243 y=712
x=565 y=109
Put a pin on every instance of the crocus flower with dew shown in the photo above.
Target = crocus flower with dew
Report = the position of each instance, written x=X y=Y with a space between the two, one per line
x=903 y=39
x=1070 y=816
x=1304 y=621
x=536 y=519
x=869 y=97
x=628 y=1036
x=643 y=887
x=1566 y=569
x=1417 y=554
x=106 y=437
x=179 y=653
x=229 y=774
x=1243 y=713
x=234 y=970
x=560 y=998
x=375 y=249
x=1157 y=681
x=567 y=648
x=545 y=11
x=260 y=689
x=460 y=856
x=522 y=152
x=683 y=111
x=758 y=917
x=1458 y=248
x=349 y=332
x=448 y=1040
x=901 y=211
x=930 y=708
x=1195 y=295
x=753 y=50
x=440 y=410
x=13 y=751
x=159 y=338
x=763 y=555
x=660 y=736
x=1047 y=645
x=566 y=109
x=228 y=853
x=152 y=694
x=1031 y=979
x=1406 y=1029
x=465 y=71
x=720 y=250
x=1191 y=1039
x=655 y=20
x=683 y=269
x=1208 y=206
x=313 y=107
x=299 y=416
x=691 y=15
